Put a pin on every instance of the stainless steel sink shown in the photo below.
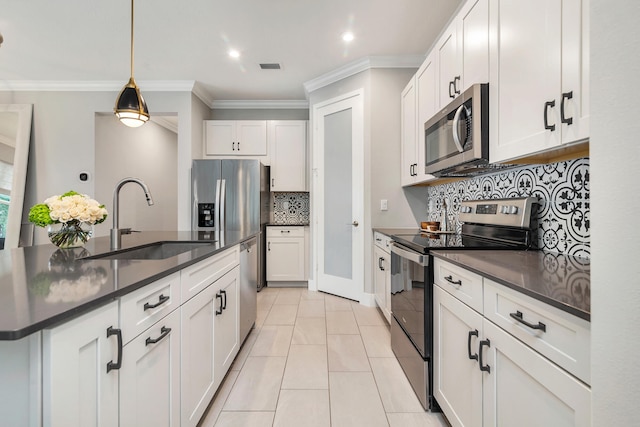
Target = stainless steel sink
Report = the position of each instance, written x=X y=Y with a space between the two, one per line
x=158 y=250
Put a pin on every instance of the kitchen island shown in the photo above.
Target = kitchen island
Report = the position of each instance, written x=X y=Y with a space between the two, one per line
x=110 y=336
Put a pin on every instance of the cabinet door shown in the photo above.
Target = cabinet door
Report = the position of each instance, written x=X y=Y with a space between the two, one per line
x=235 y=137
x=288 y=144
x=408 y=136
x=220 y=137
x=427 y=104
x=525 y=77
x=381 y=279
x=197 y=382
x=457 y=380
x=285 y=259
x=251 y=138
x=150 y=380
x=77 y=389
x=226 y=328
x=474 y=31
x=449 y=65
x=525 y=389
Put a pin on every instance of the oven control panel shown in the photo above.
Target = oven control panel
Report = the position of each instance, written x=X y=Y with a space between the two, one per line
x=515 y=212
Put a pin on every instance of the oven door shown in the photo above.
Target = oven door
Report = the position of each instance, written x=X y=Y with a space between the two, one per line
x=409 y=279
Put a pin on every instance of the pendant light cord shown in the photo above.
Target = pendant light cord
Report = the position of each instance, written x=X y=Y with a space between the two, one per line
x=131 y=39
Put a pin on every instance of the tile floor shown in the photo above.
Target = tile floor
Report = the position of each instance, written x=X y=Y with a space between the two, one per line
x=314 y=359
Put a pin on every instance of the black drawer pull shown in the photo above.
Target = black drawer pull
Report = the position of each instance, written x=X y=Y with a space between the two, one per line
x=453 y=282
x=471 y=334
x=380 y=261
x=118 y=334
x=563 y=119
x=547 y=105
x=219 y=311
x=161 y=300
x=518 y=316
x=483 y=367
x=164 y=331
x=224 y=304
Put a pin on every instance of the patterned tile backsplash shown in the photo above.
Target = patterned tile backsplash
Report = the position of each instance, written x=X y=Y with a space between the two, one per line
x=562 y=189
x=290 y=208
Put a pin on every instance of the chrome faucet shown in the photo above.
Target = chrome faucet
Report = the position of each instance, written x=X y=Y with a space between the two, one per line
x=116 y=233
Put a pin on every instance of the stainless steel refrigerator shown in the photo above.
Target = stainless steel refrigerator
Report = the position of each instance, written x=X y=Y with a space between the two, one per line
x=232 y=195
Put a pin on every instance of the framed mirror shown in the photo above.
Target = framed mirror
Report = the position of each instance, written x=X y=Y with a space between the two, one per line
x=15 y=134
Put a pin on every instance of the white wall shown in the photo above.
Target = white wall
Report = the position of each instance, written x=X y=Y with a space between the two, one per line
x=64 y=133
x=615 y=162
x=148 y=153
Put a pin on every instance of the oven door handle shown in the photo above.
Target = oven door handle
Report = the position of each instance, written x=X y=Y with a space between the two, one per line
x=410 y=255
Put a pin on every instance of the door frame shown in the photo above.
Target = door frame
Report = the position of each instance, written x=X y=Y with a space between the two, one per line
x=356 y=99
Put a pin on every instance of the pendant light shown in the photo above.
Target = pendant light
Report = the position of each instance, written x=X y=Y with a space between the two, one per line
x=130 y=106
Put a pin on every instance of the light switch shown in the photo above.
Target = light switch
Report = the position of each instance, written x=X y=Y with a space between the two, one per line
x=383 y=205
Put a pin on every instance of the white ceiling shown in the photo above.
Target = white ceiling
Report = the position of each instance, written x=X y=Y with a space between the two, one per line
x=85 y=41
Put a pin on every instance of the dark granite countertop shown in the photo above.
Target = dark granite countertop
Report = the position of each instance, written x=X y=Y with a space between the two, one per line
x=42 y=285
x=561 y=281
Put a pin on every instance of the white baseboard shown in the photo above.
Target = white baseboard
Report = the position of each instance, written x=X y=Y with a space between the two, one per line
x=368 y=299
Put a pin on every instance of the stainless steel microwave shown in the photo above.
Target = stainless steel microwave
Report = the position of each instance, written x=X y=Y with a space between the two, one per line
x=457 y=138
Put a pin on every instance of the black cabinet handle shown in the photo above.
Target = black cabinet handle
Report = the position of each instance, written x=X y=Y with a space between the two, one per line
x=219 y=311
x=233 y=146
x=161 y=300
x=456 y=90
x=269 y=246
x=547 y=105
x=518 y=316
x=285 y=231
x=164 y=331
x=380 y=261
x=483 y=367
x=452 y=85
x=471 y=334
x=224 y=294
x=118 y=333
x=453 y=282
x=563 y=119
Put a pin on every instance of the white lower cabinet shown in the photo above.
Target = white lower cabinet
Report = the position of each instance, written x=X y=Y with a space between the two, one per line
x=150 y=376
x=485 y=376
x=286 y=253
x=209 y=344
x=80 y=370
x=382 y=273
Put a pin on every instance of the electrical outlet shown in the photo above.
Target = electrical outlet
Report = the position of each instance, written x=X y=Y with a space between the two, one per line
x=383 y=205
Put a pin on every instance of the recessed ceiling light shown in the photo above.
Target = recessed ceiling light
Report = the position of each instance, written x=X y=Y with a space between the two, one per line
x=234 y=53
x=347 y=37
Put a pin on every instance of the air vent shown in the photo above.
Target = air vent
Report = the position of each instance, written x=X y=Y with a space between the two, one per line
x=274 y=66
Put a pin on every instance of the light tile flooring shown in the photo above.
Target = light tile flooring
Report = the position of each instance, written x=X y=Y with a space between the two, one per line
x=315 y=359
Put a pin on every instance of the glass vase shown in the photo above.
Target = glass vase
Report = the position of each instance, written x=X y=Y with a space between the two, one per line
x=72 y=234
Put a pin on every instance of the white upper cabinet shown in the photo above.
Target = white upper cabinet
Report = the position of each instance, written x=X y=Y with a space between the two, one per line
x=539 y=76
x=288 y=152
x=235 y=138
x=418 y=104
x=463 y=52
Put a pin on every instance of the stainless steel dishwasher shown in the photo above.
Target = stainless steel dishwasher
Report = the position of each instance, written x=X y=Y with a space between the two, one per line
x=248 y=285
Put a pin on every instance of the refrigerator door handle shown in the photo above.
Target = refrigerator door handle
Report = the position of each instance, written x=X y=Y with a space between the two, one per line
x=223 y=207
x=216 y=210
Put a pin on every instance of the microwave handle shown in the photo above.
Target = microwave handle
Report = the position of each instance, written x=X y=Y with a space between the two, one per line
x=456 y=135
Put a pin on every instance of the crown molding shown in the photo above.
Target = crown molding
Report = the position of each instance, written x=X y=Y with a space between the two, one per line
x=93 y=86
x=367 y=63
x=260 y=104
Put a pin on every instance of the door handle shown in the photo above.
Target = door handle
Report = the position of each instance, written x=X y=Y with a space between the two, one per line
x=452 y=86
x=456 y=90
x=518 y=316
x=563 y=119
x=471 y=334
x=224 y=304
x=164 y=331
x=546 y=115
x=161 y=300
x=355 y=223
x=219 y=311
x=233 y=146
x=380 y=261
x=485 y=368
x=118 y=333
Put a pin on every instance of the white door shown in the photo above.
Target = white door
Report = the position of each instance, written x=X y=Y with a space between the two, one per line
x=339 y=192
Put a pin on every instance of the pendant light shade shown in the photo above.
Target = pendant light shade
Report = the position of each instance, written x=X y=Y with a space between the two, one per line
x=130 y=106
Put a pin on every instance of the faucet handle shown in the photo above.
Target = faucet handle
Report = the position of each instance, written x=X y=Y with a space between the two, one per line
x=128 y=231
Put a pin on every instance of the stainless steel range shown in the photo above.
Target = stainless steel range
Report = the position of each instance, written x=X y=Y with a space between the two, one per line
x=487 y=224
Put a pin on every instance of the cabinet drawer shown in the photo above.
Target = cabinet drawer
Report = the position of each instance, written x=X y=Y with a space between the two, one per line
x=198 y=276
x=297 y=231
x=382 y=241
x=461 y=283
x=565 y=340
x=145 y=306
